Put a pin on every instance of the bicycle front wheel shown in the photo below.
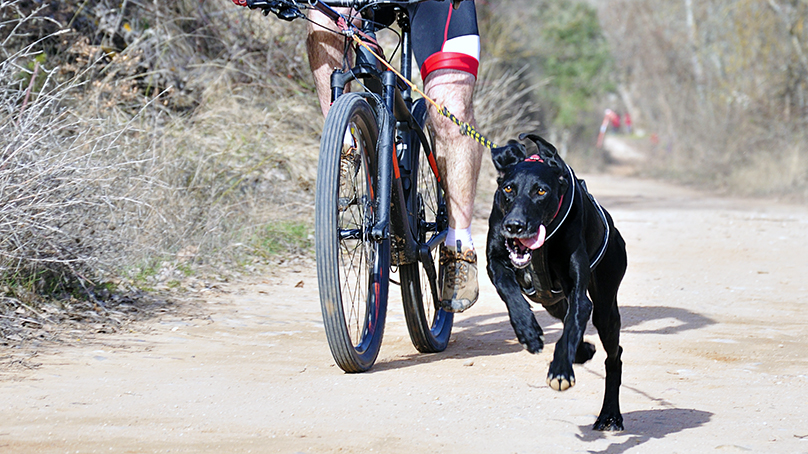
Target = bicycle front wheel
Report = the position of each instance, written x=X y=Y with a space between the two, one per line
x=428 y=325
x=352 y=269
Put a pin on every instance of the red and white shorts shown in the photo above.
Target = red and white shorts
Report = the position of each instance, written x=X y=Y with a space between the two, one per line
x=445 y=38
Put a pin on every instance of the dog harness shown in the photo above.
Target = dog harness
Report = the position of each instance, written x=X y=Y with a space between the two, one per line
x=535 y=279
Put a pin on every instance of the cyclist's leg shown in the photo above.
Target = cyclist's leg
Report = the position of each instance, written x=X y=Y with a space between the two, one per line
x=326 y=51
x=459 y=157
x=446 y=45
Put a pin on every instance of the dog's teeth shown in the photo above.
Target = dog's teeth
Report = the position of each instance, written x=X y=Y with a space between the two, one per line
x=520 y=260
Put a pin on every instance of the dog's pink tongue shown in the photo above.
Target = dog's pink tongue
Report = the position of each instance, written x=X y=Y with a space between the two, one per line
x=536 y=240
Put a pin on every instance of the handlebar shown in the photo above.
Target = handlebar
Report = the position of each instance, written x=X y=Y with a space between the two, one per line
x=291 y=9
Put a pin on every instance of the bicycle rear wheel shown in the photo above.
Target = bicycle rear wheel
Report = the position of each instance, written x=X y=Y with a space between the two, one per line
x=352 y=269
x=429 y=326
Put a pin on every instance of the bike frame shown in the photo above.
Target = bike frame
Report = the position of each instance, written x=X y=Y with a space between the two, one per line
x=397 y=172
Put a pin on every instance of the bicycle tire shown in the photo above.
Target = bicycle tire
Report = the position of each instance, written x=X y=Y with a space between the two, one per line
x=352 y=269
x=429 y=326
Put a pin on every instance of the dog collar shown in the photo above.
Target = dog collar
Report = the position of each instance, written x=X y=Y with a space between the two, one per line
x=552 y=229
x=560 y=202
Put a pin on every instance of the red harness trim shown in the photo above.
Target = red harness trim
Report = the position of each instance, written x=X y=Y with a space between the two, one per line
x=560 y=202
x=446 y=29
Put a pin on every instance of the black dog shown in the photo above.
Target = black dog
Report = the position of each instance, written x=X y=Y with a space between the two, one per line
x=550 y=241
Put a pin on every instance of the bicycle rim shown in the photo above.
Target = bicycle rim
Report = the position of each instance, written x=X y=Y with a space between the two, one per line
x=429 y=326
x=352 y=269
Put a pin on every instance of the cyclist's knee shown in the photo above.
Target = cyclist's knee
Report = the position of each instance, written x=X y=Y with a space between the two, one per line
x=452 y=89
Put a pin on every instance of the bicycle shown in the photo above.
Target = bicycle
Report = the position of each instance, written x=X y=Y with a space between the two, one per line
x=378 y=200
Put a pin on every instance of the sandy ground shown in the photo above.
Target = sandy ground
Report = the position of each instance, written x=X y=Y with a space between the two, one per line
x=714 y=332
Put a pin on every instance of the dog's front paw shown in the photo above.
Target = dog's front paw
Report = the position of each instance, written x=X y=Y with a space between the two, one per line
x=560 y=378
x=533 y=344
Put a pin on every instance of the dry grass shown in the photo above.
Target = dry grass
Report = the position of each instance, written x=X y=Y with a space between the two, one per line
x=135 y=160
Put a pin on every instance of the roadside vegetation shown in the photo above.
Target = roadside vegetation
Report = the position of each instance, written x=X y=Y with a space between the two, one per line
x=723 y=87
x=146 y=147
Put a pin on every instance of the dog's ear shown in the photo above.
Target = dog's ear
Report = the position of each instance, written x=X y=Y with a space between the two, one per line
x=508 y=156
x=546 y=150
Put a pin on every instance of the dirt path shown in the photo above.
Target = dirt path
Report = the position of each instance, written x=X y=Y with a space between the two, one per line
x=715 y=360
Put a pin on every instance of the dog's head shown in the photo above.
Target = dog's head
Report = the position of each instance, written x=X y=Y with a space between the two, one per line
x=529 y=194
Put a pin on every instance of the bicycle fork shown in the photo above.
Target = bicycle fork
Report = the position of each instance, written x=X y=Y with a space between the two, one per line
x=391 y=184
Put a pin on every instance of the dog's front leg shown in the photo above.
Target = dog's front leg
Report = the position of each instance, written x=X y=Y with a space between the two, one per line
x=561 y=376
x=527 y=329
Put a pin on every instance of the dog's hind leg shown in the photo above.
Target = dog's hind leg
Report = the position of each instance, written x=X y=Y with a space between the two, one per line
x=606 y=318
x=607 y=322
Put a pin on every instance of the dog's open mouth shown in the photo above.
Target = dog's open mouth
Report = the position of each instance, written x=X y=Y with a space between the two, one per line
x=521 y=249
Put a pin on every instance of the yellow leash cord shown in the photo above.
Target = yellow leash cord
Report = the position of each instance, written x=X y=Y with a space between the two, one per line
x=465 y=128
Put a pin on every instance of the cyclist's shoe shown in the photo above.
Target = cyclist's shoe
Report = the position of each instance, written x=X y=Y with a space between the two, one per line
x=458 y=278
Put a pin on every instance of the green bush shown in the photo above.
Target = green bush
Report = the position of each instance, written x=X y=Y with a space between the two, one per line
x=574 y=56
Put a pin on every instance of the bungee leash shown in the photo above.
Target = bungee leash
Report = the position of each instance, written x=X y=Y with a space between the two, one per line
x=466 y=129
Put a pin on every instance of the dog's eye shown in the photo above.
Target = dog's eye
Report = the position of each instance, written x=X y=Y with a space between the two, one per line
x=541 y=191
x=508 y=189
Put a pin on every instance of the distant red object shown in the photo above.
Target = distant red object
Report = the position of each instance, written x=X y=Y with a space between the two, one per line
x=609 y=117
x=614 y=118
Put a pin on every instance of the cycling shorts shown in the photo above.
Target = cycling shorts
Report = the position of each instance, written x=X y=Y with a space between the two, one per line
x=445 y=38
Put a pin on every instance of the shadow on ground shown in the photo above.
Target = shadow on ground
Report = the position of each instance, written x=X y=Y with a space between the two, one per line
x=633 y=316
x=492 y=334
x=472 y=337
x=643 y=426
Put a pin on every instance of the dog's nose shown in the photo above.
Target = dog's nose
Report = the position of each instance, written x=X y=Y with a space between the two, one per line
x=515 y=227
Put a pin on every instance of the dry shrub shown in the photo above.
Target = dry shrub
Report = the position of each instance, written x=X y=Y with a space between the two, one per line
x=59 y=174
x=132 y=154
x=504 y=108
x=503 y=105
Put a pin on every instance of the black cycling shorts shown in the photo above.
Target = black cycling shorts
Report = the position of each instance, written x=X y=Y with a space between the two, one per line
x=445 y=38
